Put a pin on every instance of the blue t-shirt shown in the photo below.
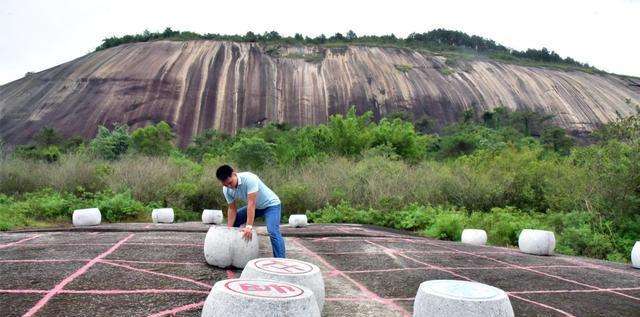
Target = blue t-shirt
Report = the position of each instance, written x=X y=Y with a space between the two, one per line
x=250 y=183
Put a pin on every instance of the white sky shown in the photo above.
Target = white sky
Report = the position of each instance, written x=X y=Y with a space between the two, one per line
x=39 y=34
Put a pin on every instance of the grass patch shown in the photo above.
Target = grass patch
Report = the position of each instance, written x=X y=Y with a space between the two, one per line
x=309 y=58
x=403 y=68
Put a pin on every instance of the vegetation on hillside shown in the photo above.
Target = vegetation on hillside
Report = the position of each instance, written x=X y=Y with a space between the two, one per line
x=438 y=40
x=500 y=171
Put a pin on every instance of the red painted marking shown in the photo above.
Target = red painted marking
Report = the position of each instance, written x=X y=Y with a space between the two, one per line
x=208 y=286
x=176 y=310
x=362 y=288
x=264 y=288
x=73 y=276
x=6 y=245
x=542 y=305
x=231 y=274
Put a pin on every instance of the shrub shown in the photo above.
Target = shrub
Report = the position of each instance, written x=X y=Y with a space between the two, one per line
x=153 y=140
x=350 y=134
x=253 y=152
x=119 y=206
x=110 y=145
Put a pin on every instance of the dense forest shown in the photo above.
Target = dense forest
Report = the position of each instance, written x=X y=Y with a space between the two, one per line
x=439 y=40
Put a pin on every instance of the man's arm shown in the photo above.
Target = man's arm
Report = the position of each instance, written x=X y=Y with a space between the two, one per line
x=251 y=208
x=231 y=214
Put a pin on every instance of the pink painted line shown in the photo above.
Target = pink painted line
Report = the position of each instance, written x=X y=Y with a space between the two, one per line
x=45 y=261
x=63 y=244
x=208 y=286
x=23 y=291
x=134 y=291
x=625 y=295
x=176 y=310
x=73 y=276
x=459 y=268
x=231 y=274
x=168 y=244
x=348 y=299
x=601 y=267
x=542 y=305
x=129 y=243
x=387 y=251
x=362 y=288
x=545 y=274
x=577 y=290
x=469 y=279
x=159 y=262
x=6 y=245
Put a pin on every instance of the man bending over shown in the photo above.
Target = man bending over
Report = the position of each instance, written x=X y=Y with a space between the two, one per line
x=261 y=202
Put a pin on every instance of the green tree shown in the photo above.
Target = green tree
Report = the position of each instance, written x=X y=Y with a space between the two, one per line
x=351 y=35
x=350 y=134
x=110 y=145
x=47 y=136
x=253 y=152
x=208 y=142
x=556 y=139
x=402 y=137
x=153 y=140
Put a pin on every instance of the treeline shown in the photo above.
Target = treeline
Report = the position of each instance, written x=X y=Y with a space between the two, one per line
x=399 y=134
x=435 y=40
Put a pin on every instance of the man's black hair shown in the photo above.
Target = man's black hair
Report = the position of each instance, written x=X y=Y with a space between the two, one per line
x=224 y=172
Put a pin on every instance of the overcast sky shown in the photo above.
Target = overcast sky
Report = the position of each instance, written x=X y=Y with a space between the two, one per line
x=39 y=34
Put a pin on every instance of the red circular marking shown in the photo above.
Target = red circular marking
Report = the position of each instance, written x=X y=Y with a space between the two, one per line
x=283 y=266
x=264 y=289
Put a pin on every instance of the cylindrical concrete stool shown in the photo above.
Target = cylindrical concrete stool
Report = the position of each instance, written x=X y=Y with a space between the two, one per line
x=474 y=236
x=162 y=215
x=287 y=270
x=224 y=246
x=298 y=221
x=460 y=298
x=635 y=255
x=86 y=217
x=538 y=242
x=212 y=216
x=255 y=297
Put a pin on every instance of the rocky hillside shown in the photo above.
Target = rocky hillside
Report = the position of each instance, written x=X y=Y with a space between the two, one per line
x=197 y=85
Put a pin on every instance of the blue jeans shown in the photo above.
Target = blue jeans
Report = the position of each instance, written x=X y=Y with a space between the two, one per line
x=271 y=216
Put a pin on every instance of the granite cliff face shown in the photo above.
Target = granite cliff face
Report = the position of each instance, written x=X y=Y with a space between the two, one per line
x=197 y=85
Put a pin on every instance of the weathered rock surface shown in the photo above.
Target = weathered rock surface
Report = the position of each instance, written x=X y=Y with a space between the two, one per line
x=197 y=85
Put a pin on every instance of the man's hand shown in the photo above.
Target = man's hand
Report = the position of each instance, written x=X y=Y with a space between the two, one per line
x=246 y=233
